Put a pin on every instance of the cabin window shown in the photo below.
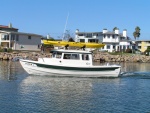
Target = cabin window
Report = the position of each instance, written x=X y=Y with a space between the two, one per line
x=53 y=55
x=67 y=56
x=58 y=55
x=71 y=56
x=75 y=56
x=85 y=57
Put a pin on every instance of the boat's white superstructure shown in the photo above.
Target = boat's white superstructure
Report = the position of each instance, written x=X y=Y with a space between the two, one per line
x=69 y=63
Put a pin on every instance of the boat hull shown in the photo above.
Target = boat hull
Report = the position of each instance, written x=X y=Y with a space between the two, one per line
x=36 y=68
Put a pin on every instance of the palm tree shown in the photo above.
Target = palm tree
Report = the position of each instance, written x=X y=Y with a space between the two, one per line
x=136 y=33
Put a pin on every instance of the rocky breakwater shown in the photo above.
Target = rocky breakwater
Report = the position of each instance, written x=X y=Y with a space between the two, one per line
x=17 y=55
x=99 y=57
x=106 y=57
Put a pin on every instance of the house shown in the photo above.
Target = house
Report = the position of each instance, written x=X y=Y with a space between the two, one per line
x=88 y=36
x=11 y=38
x=114 y=40
x=142 y=45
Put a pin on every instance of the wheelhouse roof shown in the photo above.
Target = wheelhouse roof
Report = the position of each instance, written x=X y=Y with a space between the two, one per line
x=69 y=51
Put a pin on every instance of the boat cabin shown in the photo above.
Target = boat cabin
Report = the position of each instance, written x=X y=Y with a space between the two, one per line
x=70 y=57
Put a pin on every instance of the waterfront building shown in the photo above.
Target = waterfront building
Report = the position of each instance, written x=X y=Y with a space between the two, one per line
x=143 y=44
x=11 y=38
x=114 y=40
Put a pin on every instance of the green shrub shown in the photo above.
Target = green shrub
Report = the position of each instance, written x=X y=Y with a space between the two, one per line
x=128 y=50
x=147 y=51
x=9 y=50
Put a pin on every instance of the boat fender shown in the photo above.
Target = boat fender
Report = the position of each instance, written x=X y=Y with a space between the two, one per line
x=87 y=63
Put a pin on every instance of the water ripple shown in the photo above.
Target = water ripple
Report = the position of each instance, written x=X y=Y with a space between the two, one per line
x=21 y=93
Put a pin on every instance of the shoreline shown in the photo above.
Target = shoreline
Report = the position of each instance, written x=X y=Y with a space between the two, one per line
x=98 y=57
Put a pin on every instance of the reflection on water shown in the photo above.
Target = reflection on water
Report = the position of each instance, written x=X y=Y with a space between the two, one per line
x=54 y=94
x=130 y=67
x=23 y=93
x=135 y=67
x=9 y=70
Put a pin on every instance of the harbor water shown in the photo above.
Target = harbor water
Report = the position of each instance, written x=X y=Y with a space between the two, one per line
x=23 y=93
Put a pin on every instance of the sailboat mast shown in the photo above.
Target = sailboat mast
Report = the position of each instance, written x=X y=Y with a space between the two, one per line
x=65 y=27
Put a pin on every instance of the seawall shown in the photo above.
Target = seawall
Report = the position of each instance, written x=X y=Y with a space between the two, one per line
x=99 y=57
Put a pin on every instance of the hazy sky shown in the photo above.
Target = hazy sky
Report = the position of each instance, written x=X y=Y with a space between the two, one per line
x=49 y=16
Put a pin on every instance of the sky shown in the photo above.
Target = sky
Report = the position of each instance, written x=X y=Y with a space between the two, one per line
x=50 y=16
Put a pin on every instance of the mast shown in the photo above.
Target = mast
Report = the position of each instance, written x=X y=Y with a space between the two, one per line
x=65 y=27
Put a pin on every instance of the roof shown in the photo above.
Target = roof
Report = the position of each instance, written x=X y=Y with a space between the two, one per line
x=110 y=33
x=87 y=32
x=12 y=32
x=2 y=26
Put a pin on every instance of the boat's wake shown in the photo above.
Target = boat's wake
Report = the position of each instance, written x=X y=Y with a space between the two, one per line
x=135 y=74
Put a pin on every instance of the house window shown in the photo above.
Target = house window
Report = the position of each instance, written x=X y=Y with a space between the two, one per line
x=29 y=37
x=108 y=46
x=82 y=40
x=17 y=37
x=11 y=45
x=12 y=37
x=113 y=47
x=5 y=37
x=113 y=36
x=93 y=40
x=139 y=47
x=108 y=36
x=89 y=35
x=38 y=46
x=104 y=36
x=80 y=35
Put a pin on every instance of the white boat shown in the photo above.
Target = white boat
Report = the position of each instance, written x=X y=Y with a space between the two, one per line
x=77 y=63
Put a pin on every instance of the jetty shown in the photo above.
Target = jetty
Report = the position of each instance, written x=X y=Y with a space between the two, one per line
x=98 y=56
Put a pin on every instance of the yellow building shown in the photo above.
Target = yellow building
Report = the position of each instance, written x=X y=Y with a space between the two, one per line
x=143 y=44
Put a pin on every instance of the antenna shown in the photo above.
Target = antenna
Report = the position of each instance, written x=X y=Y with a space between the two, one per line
x=65 y=27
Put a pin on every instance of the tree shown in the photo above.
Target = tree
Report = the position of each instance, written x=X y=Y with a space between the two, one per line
x=147 y=51
x=71 y=39
x=115 y=28
x=136 y=33
x=68 y=36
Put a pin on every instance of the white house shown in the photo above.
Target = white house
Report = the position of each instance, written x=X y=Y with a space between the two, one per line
x=11 y=38
x=114 y=40
x=88 y=36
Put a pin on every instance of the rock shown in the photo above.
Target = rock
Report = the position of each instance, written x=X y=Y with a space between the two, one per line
x=5 y=57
